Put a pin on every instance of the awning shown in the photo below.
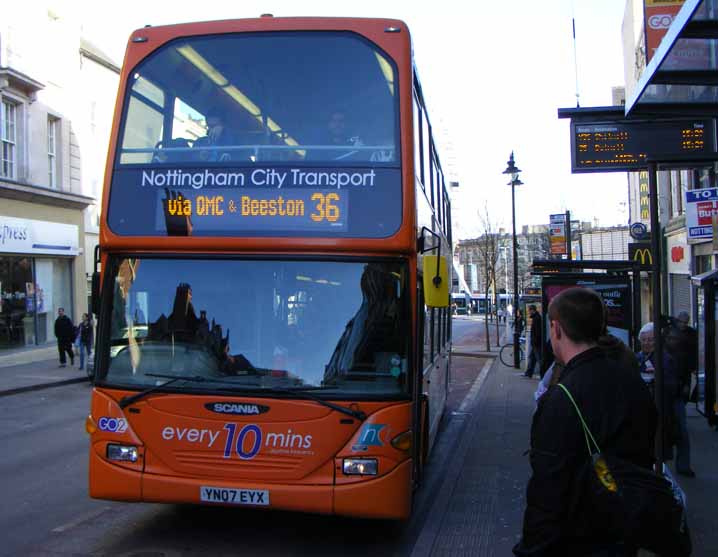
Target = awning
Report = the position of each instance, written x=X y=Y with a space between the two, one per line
x=703 y=278
x=682 y=77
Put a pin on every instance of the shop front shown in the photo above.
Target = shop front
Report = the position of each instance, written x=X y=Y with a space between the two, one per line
x=679 y=273
x=36 y=278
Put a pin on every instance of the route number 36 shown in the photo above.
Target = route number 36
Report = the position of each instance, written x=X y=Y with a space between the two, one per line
x=326 y=209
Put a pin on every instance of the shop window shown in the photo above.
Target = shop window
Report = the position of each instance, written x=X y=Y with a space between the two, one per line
x=16 y=302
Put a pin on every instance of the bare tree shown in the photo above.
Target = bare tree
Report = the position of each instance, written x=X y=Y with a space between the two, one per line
x=488 y=251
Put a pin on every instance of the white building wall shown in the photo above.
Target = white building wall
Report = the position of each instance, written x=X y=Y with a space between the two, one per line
x=43 y=40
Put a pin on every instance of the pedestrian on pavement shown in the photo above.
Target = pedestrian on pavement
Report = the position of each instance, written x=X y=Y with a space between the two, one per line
x=536 y=342
x=65 y=334
x=682 y=343
x=673 y=399
x=85 y=336
x=618 y=411
x=519 y=322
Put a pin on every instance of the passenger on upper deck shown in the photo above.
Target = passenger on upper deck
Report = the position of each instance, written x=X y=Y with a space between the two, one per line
x=339 y=144
x=218 y=135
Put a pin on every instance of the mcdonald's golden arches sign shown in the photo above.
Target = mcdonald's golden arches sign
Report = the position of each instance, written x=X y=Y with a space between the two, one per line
x=641 y=253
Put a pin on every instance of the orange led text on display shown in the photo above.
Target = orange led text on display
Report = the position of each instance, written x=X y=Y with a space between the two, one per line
x=323 y=206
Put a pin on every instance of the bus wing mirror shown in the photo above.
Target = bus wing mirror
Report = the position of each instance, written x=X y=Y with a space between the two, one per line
x=436 y=281
x=95 y=295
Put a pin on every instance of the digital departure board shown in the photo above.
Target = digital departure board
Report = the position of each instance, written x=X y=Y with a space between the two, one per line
x=627 y=145
x=257 y=201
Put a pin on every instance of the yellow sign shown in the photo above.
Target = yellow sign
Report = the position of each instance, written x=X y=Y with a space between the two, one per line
x=644 y=196
x=643 y=256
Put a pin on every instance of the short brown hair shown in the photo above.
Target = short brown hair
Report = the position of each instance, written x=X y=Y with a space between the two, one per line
x=579 y=311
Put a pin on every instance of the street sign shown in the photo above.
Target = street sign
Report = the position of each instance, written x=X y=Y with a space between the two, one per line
x=638 y=231
x=616 y=146
x=557 y=234
x=641 y=253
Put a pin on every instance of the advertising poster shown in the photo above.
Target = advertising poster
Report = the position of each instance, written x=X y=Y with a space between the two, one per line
x=659 y=16
x=700 y=206
x=614 y=290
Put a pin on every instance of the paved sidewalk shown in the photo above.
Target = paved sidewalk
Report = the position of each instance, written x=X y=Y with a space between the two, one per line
x=28 y=370
x=479 y=507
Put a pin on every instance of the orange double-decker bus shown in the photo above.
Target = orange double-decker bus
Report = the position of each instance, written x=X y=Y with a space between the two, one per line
x=273 y=323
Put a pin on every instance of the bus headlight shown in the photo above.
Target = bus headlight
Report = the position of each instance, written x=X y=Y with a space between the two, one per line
x=124 y=453
x=360 y=466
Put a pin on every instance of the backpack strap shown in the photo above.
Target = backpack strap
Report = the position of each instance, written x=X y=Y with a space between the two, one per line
x=586 y=432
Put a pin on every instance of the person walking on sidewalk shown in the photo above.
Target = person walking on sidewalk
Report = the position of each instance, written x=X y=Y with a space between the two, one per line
x=65 y=335
x=676 y=421
x=85 y=337
x=536 y=341
x=519 y=322
x=618 y=409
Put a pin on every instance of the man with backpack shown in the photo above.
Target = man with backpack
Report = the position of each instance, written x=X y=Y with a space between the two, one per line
x=618 y=410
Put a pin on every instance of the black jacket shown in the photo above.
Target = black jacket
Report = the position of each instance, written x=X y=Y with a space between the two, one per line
x=682 y=344
x=536 y=330
x=619 y=412
x=64 y=329
x=86 y=333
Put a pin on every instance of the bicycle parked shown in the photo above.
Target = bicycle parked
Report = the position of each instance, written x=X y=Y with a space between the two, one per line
x=506 y=355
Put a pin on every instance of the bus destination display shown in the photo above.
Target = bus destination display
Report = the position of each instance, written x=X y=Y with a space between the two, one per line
x=627 y=145
x=252 y=209
x=162 y=201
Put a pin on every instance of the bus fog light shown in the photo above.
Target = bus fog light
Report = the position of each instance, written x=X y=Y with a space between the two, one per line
x=360 y=466
x=126 y=453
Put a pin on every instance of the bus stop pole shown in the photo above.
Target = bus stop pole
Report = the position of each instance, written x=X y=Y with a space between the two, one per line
x=709 y=373
x=514 y=242
x=656 y=287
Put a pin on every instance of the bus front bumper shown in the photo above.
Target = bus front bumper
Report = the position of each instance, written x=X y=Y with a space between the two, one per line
x=385 y=497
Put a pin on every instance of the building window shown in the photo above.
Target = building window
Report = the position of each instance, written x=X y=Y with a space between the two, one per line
x=8 y=137
x=52 y=152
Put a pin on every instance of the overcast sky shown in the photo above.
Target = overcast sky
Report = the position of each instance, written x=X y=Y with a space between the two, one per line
x=493 y=74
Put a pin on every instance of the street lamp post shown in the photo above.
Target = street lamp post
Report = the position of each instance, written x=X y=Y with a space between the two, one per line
x=513 y=172
x=504 y=250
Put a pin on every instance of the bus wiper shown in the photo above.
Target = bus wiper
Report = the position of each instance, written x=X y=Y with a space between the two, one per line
x=303 y=392
x=126 y=401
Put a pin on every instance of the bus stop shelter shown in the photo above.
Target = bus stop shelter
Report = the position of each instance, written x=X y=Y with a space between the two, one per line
x=669 y=122
x=681 y=80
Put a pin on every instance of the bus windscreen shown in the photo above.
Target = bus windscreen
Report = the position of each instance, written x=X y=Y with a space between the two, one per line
x=259 y=134
x=339 y=328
